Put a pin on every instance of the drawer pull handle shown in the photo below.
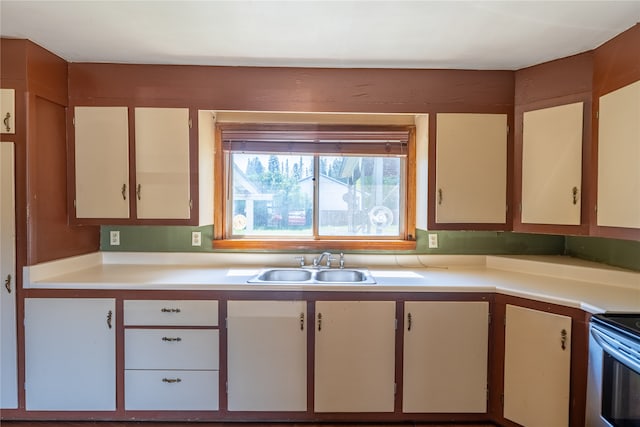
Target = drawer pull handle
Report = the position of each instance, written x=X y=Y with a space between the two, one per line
x=171 y=380
x=170 y=310
x=177 y=339
x=6 y=122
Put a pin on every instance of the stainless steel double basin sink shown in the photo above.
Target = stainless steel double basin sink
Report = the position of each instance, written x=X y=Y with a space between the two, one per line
x=314 y=276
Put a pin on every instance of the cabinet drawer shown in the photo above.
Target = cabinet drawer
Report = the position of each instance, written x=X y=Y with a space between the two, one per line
x=170 y=349
x=171 y=390
x=171 y=312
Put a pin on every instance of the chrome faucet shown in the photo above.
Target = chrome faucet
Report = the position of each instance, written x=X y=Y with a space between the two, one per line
x=317 y=262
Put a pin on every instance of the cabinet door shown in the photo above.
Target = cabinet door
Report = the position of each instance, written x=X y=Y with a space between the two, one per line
x=70 y=354
x=7 y=110
x=537 y=367
x=102 y=162
x=619 y=157
x=8 y=348
x=552 y=165
x=445 y=357
x=162 y=163
x=267 y=355
x=354 y=356
x=471 y=168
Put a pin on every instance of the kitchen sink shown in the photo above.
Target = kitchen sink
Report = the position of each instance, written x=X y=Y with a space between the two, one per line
x=284 y=275
x=313 y=276
x=341 y=276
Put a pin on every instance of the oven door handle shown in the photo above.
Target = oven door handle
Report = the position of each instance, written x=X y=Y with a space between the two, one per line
x=605 y=342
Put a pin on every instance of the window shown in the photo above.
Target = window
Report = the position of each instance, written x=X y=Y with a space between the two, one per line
x=297 y=186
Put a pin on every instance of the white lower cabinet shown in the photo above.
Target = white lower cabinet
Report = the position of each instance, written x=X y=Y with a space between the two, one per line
x=267 y=355
x=171 y=369
x=70 y=358
x=537 y=367
x=445 y=357
x=171 y=390
x=355 y=356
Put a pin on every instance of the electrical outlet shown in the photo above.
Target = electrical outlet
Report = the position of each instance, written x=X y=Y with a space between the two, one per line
x=196 y=238
x=114 y=237
x=433 y=241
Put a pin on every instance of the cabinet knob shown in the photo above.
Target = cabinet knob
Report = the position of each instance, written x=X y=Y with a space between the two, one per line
x=563 y=339
x=6 y=122
x=7 y=283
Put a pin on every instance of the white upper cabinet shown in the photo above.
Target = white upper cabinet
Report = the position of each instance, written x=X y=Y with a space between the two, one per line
x=102 y=162
x=552 y=165
x=105 y=180
x=162 y=163
x=619 y=158
x=471 y=168
x=8 y=111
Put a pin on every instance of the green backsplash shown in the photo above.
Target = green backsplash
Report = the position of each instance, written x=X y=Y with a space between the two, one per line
x=621 y=253
x=178 y=239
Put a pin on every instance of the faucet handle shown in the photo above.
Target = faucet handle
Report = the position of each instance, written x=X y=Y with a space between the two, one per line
x=341 y=260
x=300 y=260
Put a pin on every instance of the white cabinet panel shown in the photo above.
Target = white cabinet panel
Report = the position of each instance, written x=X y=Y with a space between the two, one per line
x=171 y=390
x=619 y=158
x=537 y=367
x=70 y=354
x=445 y=357
x=8 y=331
x=8 y=111
x=171 y=349
x=102 y=162
x=162 y=163
x=355 y=356
x=471 y=168
x=267 y=355
x=171 y=312
x=552 y=165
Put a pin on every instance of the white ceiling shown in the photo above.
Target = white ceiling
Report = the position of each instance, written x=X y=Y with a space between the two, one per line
x=506 y=35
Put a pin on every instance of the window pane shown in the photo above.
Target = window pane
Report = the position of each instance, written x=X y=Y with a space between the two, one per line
x=272 y=195
x=360 y=196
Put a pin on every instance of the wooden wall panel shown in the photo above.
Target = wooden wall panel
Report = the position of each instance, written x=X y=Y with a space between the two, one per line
x=50 y=236
x=292 y=89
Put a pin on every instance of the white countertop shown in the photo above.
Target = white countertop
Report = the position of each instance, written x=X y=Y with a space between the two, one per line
x=560 y=280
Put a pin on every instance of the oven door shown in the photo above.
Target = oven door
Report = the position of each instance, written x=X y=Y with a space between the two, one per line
x=613 y=389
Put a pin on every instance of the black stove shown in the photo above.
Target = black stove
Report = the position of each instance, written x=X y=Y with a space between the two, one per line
x=629 y=323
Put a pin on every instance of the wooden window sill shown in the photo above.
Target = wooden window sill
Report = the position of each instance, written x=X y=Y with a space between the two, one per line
x=373 y=245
